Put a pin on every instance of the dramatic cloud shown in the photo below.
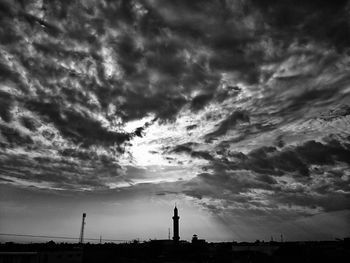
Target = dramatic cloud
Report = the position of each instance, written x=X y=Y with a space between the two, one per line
x=242 y=107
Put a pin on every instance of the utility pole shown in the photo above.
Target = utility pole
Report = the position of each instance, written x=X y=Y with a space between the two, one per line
x=169 y=233
x=81 y=238
x=100 y=239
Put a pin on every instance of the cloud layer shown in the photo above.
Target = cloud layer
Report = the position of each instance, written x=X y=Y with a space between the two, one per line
x=242 y=105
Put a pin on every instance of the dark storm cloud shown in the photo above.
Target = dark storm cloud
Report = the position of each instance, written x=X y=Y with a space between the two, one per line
x=152 y=69
x=73 y=73
x=341 y=111
x=266 y=178
x=303 y=19
x=199 y=101
x=6 y=104
x=149 y=50
x=14 y=137
x=271 y=161
x=77 y=126
x=72 y=170
x=230 y=123
x=187 y=149
x=30 y=123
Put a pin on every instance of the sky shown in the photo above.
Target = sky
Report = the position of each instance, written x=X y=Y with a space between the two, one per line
x=238 y=111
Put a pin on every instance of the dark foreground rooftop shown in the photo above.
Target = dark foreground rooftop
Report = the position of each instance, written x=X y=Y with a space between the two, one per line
x=167 y=251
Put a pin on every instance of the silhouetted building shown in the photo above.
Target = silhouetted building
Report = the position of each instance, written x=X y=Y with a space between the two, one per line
x=176 y=218
x=194 y=238
x=197 y=241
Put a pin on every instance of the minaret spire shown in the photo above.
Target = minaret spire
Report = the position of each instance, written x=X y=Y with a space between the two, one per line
x=176 y=218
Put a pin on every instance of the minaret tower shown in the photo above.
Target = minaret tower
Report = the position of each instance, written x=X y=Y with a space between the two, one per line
x=176 y=218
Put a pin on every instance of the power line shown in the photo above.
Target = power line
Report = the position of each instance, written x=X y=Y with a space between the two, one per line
x=61 y=237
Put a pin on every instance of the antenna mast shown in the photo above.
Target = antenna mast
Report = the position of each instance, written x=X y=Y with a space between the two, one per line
x=81 y=238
